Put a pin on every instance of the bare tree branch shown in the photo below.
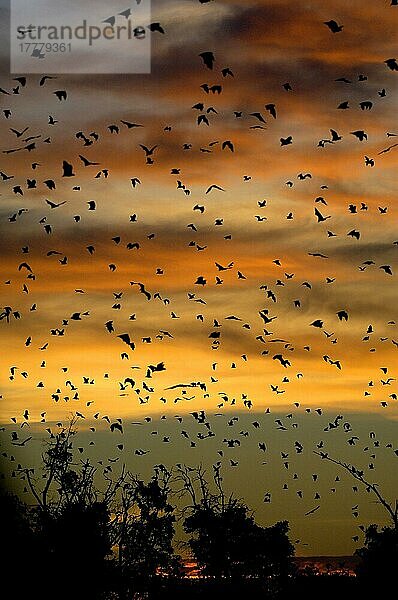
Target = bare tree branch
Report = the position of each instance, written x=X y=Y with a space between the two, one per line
x=372 y=487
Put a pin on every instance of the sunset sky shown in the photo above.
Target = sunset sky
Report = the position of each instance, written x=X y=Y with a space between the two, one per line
x=300 y=231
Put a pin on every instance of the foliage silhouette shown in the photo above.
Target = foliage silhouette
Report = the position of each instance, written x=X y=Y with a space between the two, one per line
x=71 y=521
x=379 y=557
x=115 y=538
x=225 y=540
x=145 y=531
x=100 y=537
x=20 y=546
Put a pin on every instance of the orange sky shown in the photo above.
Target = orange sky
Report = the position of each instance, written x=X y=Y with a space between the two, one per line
x=183 y=235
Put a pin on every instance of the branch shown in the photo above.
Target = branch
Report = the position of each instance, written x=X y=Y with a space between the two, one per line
x=358 y=475
x=204 y=488
x=32 y=487
x=188 y=486
x=218 y=481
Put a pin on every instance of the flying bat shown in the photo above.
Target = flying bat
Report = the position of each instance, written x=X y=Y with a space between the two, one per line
x=227 y=71
x=61 y=94
x=320 y=216
x=142 y=289
x=354 y=233
x=156 y=27
x=126 y=339
x=342 y=314
x=214 y=187
x=284 y=362
x=87 y=162
x=360 y=134
x=227 y=144
x=67 y=169
x=116 y=426
x=392 y=64
x=271 y=109
x=333 y=26
x=208 y=59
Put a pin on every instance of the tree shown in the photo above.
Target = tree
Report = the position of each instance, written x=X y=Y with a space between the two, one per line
x=117 y=536
x=145 y=525
x=358 y=474
x=19 y=545
x=379 y=556
x=72 y=518
x=224 y=538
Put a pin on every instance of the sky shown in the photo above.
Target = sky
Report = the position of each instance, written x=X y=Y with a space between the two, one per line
x=271 y=296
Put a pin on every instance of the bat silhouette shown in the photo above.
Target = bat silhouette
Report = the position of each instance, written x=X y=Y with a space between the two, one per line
x=214 y=187
x=156 y=27
x=142 y=289
x=360 y=134
x=203 y=119
x=335 y=136
x=126 y=13
x=392 y=64
x=110 y=20
x=320 y=216
x=227 y=144
x=125 y=337
x=116 y=426
x=87 y=162
x=366 y=105
x=227 y=71
x=67 y=169
x=342 y=314
x=148 y=151
x=333 y=26
x=208 y=59
x=284 y=362
x=258 y=116
x=271 y=109
x=386 y=268
x=61 y=94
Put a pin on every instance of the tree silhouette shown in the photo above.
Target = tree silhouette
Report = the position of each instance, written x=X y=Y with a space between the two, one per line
x=145 y=531
x=379 y=556
x=20 y=547
x=115 y=536
x=224 y=538
x=72 y=518
x=359 y=475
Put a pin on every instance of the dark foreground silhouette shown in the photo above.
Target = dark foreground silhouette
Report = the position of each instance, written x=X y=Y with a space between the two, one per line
x=69 y=555
x=78 y=539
